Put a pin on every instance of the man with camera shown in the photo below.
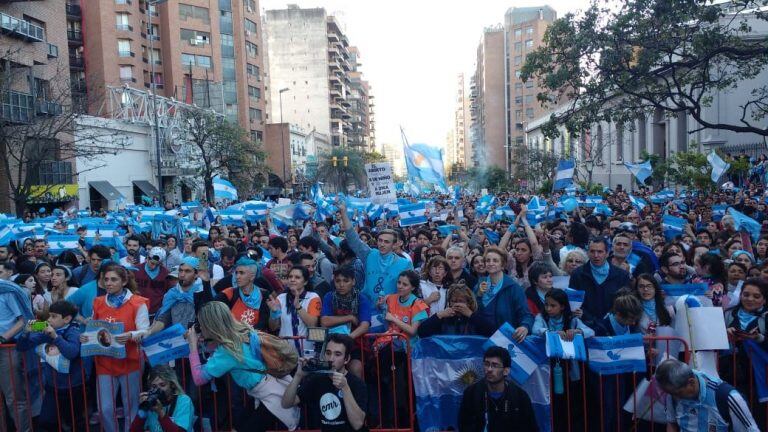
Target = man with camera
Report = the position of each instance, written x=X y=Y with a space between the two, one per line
x=334 y=396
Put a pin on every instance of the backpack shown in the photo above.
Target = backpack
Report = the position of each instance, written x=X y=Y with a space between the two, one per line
x=278 y=355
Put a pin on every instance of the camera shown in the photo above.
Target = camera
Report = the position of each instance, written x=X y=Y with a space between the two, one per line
x=316 y=364
x=38 y=326
x=153 y=396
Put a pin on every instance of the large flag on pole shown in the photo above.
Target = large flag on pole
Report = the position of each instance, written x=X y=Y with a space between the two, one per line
x=425 y=163
x=641 y=171
x=564 y=175
x=719 y=166
x=223 y=189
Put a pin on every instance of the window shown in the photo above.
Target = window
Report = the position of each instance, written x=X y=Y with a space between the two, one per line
x=194 y=12
x=154 y=56
x=228 y=68
x=124 y=48
x=529 y=43
x=251 y=5
x=230 y=91
x=153 y=32
x=225 y=22
x=250 y=26
x=188 y=59
x=126 y=73
x=529 y=31
x=518 y=46
x=204 y=61
x=529 y=113
x=251 y=49
x=254 y=92
x=253 y=70
x=122 y=1
x=227 y=45
x=518 y=33
x=518 y=115
x=517 y=73
x=194 y=37
x=53 y=172
x=123 y=21
x=254 y=114
x=528 y=99
x=518 y=60
x=518 y=86
x=225 y=5
x=518 y=100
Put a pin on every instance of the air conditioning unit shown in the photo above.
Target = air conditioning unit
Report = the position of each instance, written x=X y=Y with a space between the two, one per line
x=194 y=42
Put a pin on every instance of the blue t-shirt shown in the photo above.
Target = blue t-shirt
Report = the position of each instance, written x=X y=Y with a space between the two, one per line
x=83 y=298
x=183 y=415
x=10 y=312
x=243 y=372
x=364 y=312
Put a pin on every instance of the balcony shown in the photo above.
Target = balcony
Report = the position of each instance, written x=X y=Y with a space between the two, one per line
x=76 y=62
x=127 y=80
x=124 y=27
x=74 y=11
x=44 y=107
x=75 y=37
x=16 y=107
x=21 y=29
x=77 y=85
x=53 y=51
x=126 y=54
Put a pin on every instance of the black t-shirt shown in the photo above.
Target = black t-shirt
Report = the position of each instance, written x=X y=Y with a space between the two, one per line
x=326 y=403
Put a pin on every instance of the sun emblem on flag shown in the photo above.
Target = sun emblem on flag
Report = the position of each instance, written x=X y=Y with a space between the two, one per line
x=418 y=159
x=466 y=375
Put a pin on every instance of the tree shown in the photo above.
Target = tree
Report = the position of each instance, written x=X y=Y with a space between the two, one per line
x=535 y=165
x=224 y=149
x=623 y=62
x=493 y=178
x=340 y=173
x=373 y=157
x=41 y=132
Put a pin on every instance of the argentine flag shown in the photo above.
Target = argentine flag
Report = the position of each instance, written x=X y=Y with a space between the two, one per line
x=50 y=354
x=149 y=212
x=232 y=217
x=412 y=214
x=256 y=212
x=638 y=203
x=165 y=346
x=613 y=355
x=425 y=163
x=672 y=226
x=745 y=223
x=673 y=291
x=223 y=189
x=526 y=355
x=443 y=367
x=60 y=243
x=559 y=348
x=641 y=171
x=575 y=298
x=719 y=166
x=485 y=203
x=564 y=175
x=718 y=211
x=759 y=360
x=503 y=213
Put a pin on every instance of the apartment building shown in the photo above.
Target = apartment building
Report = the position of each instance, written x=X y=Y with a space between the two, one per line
x=33 y=60
x=459 y=150
x=315 y=77
x=487 y=100
x=200 y=52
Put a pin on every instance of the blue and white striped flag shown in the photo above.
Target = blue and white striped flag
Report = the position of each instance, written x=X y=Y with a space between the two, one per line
x=526 y=355
x=673 y=291
x=446 y=230
x=564 y=175
x=256 y=212
x=536 y=204
x=719 y=166
x=443 y=367
x=641 y=171
x=7 y=235
x=492 y=236
x=575 y=298
x=568 y=350
x=613 y=355
x=663 y=196
x=165 y=346
x=484 y=204
x=149 y=212
x=592 y=201
x=378 y=323
x=503 y=213
x=745 y=223
x=316 y=193
x=60 y=243
x=223 y=189
x=672 y=226
x=412 y=214
x=718 y=211
x=639 y=203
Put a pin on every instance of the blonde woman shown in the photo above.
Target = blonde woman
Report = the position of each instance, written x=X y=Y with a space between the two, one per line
x=236 y=352
x=172 y=410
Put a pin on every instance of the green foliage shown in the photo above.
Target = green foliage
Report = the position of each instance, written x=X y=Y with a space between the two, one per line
x=623 y=61
x=342 y=174
x=493 y=178
x=686 y=169
x=374 y=156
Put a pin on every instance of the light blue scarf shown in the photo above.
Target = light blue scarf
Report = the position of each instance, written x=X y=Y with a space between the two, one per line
x=618 y=329
x=176 y=295
x=117 y=300
x=253 y=301
x=649 y=306
x=745 y=318
x=555 y=324
x=600 y=273
x=492 y=290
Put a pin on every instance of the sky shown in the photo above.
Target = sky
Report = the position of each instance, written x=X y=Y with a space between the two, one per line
x=412 y=52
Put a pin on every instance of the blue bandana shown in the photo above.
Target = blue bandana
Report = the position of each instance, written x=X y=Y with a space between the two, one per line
x=117 y=300
x=492 y=290
x=253 y=301
x=555 y=324
x=600 y=273
x=649 y=306
x=618 y=329
x=745 y=318
x=176 y=295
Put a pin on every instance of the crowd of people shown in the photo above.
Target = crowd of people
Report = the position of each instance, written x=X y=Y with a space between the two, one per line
x=468 y=271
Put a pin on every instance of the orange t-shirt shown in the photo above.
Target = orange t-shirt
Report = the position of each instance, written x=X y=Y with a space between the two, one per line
x=125 y=314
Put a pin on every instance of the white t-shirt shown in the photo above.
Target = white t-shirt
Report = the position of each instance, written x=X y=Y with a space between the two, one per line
x=311 y=303
x=427 y=288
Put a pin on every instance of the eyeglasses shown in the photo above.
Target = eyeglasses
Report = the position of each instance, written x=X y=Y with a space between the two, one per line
x=489 y=365
x=648 y=287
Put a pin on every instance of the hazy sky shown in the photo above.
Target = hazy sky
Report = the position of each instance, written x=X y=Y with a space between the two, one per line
x=412 y=52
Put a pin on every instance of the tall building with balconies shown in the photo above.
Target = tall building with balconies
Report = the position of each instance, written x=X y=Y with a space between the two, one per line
x=460 y=147
x=314 y=79
x=487 y=100
x=33 y=87
x=206 y=53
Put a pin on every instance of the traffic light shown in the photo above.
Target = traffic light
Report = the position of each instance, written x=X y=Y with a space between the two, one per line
x=335 y=160
x=346 y=160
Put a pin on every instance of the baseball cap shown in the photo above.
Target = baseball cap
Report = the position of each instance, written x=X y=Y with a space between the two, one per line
x=156 y=252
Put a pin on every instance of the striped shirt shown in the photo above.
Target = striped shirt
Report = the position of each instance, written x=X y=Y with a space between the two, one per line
x=702 y=414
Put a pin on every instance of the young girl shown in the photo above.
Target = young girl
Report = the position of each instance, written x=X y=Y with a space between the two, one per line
x=737 y=274
x=120 y=305
x=655 y=313
x=293 y=311
x=60 y=288
x=540 y=277
x=436 y=278
x=624 y=315
x=710 y=270
x=557 y=317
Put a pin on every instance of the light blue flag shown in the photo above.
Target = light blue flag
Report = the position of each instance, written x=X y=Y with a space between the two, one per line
x=7 y=235
x=412 y=214
x=484 y=204
x=673 y=291
x=232 y=217
x=492 y=236
x=316 y=193
x=50 y=354
x=718 y=211
x=719 y=166
x=165 y=346
x=149 y=212
x=663 y=196
x=443 y=367
x=60 y=243
x=378 y=323
x=503 y=213
x=536 y=204
x=425 y=163
x=639 y=203
x=568 y=350
x=603 y=210
x=526 y=355
x=641 y=171
x=255 y=212
x=672 y=226
x=223 y=189
x=446 y=230
x=746 y=223
x=575 y=298
x=564 y=175
x=613 y=355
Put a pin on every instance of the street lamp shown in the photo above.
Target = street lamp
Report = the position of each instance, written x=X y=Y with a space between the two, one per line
x=153 y=88
x=282 y=138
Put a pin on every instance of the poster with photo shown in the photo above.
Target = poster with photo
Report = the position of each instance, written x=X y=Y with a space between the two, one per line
x=101 y=340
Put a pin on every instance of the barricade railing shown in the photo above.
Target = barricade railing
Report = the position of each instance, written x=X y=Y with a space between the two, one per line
x=594 y=403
